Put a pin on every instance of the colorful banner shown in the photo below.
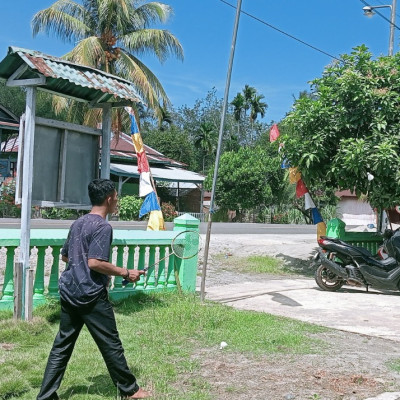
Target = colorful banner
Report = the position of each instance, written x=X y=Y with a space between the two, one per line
x=146 y=188
x=274 y=133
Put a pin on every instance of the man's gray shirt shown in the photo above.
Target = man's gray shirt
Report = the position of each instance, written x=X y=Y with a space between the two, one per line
x=89 y=237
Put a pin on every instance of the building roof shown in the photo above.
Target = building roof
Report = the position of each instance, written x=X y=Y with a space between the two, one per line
x=122 y=147
x=9 y=123
x=168 y=174
x=65 y=78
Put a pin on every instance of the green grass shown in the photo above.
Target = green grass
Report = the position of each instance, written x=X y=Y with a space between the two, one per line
x=164 y=336
x=254 y=264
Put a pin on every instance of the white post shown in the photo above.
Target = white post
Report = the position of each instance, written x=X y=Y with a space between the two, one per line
x=27 y=175
x=105 y=142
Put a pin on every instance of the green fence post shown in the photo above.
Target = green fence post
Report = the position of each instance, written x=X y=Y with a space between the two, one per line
x=8 y=286
x=120 y=263
x=141 y=264
x=188 y=267
x=151 y=279
x=161 y=269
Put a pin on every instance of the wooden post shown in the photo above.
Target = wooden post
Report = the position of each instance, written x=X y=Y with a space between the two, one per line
x=26 y=205
x=105 y=142
x=29 y=303
x=18 y=266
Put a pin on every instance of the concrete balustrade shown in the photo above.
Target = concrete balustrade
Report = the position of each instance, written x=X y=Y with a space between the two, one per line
x=131 y=249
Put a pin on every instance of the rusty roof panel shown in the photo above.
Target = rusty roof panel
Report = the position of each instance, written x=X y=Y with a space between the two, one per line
x=67 y=78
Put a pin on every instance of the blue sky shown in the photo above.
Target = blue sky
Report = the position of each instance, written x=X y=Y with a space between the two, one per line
x=277 y=66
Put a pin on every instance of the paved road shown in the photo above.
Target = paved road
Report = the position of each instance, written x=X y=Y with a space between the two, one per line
x=217 y=227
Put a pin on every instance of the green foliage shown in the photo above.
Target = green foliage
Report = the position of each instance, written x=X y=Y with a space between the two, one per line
x=247 y=178
x=173 y=143
x=129 y=207
x=349 y=127
x=8 y=208
x=61 y=213
x=168 y=211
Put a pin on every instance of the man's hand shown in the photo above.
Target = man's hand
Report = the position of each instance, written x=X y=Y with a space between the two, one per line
x=133 y=275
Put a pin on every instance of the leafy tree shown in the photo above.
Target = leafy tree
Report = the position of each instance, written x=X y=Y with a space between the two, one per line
x=247 y=178
x=110 y=35
x=350 y=128
x=173 y=143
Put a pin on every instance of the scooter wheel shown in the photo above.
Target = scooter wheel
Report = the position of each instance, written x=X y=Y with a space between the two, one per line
x=327 y=280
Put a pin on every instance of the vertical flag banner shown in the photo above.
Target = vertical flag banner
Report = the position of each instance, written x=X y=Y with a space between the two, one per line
x=301 y=188
x=308 y=201
x=146 y=187
x=274 y=133
x=294 y=175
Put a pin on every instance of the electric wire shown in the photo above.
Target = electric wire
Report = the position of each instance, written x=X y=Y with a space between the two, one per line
x=281 y=31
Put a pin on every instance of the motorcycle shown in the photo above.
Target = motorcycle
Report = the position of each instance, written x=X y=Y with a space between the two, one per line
x=340 y=263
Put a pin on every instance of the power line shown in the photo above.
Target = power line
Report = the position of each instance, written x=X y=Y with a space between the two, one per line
x=283 y=32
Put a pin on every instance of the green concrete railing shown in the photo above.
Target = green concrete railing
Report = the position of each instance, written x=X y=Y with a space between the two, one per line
x=336 y=228
x=131 y=249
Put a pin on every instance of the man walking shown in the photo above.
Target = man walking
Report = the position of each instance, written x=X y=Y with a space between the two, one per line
x=84 y=297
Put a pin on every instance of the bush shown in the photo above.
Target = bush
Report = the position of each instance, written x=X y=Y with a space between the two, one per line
x=128 y=208
x=61 y=213
x=8 y=208
x=169 y=212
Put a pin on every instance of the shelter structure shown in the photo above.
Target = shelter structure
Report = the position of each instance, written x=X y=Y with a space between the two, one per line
x=37 y=71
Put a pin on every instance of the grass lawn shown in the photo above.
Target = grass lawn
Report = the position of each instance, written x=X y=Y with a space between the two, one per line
x=254 y=264
x=161 y=334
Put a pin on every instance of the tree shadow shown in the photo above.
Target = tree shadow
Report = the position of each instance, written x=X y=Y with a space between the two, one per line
x=298 y=266
x=141 y=301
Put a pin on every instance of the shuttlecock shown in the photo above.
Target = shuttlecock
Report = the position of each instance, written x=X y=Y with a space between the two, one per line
x=370 y=177
x=223 y=345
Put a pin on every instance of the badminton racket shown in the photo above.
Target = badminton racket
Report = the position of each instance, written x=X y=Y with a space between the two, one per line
x=184 y=245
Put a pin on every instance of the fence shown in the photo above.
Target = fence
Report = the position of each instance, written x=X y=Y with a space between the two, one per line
x=199 y=216
x=131 y=249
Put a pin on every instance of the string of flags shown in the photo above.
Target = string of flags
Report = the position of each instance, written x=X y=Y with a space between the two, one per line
x=301 y=188
x=146 y=183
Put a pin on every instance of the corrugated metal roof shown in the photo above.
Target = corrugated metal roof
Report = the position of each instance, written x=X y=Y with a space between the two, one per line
x=122 y=146
x=67 y=78
x=168 y=174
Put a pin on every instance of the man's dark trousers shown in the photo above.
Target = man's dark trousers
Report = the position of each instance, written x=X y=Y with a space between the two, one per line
x=100 y=321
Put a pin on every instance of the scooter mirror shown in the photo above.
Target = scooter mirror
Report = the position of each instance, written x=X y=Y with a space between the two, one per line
x=370 y=226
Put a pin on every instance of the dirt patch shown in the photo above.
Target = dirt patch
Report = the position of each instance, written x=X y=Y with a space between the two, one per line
x=345 y=366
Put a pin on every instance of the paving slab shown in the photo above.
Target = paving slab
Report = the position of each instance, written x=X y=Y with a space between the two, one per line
x=355 y=310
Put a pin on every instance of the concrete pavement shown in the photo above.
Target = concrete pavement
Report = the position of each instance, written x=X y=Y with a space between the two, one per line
x=350 y=309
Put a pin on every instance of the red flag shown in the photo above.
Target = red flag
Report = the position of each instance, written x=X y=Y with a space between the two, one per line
x=301 y=188
x=143 y=164
x=274 y=133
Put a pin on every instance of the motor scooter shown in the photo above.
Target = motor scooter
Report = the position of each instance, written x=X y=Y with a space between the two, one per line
x=339 y=263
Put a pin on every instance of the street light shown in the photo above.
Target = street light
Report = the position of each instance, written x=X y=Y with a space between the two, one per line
x=369 y=12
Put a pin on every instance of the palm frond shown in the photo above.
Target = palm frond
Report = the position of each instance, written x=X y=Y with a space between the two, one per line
x=159 y=42
x=115 y=16
x=65 y=19
x=148 y=13
x=146 y=83
x=88 y=52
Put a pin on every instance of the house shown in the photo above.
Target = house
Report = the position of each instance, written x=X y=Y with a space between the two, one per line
x=354 y=211
x=9 y=126
x=174 y=183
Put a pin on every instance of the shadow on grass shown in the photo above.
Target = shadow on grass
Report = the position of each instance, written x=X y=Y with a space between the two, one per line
x=298 y=266
x=97 y=385
x=141 y=301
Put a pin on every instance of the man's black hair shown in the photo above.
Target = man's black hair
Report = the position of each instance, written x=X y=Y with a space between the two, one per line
x=99 y=190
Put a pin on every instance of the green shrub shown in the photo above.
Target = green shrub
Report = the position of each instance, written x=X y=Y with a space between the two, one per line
x=8 y=208
x=169 y=212
x=60 y=213
x=128 y=208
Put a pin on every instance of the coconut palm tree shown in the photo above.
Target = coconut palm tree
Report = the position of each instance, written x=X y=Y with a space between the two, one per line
x=204 y=140
x=257 y=107
x=110 y=35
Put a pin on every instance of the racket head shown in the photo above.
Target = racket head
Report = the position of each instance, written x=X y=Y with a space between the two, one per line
x=186 y=244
